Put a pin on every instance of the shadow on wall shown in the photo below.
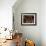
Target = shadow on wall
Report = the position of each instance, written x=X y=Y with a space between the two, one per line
x=17 y=4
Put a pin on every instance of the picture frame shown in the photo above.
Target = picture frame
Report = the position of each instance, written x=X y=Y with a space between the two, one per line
x=29 y=19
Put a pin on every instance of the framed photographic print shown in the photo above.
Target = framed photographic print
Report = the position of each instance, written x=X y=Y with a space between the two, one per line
x=28 y=18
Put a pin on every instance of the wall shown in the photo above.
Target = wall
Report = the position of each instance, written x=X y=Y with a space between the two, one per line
x=29 y=32
x=43 y=22
x=6 y=13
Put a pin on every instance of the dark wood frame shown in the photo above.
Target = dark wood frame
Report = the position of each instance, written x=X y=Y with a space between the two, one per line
x=34 y=14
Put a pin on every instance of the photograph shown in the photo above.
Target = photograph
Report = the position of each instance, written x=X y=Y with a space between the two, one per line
x=28 y=18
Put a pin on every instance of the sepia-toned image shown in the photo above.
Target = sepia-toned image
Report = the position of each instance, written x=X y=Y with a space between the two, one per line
x=28 y=18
